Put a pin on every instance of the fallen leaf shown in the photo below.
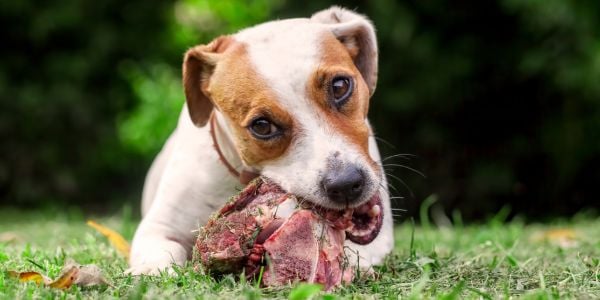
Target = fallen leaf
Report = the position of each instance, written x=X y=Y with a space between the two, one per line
x=72 y=273
x=90 y=275
x=114 y=238
x=29 y=276
x=66 y=279
x=565 y=238
x=9 y=237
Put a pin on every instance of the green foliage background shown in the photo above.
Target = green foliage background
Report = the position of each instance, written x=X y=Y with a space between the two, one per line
x=499 y=100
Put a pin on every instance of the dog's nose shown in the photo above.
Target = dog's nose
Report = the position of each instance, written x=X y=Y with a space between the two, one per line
x=344 y=185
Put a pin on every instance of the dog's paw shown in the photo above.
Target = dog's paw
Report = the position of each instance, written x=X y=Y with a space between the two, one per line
x=155 y=256
x=143 y=269
x=151 y=269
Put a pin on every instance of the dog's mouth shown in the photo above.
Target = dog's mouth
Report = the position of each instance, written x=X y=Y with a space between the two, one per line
x=361 y=224
x=366 y=221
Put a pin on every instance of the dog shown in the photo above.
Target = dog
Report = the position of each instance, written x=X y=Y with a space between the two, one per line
x=286 y=99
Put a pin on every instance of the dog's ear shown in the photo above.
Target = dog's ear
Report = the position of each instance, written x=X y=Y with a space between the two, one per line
x=357 y=34
x=198 y=66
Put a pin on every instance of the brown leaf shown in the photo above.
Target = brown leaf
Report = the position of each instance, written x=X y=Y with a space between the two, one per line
x=72 y=273
x=65 y=280
x=114 y=238
x=29 y=276
x=562 y=237
x=90 y=275
x=9 y=237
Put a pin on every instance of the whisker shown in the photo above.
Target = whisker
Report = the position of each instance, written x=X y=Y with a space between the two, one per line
x=384 y=187
x=395 y=211
x=389 y=185
x=393 y=187
x=401 y=155
x=384 y=190
x=393 y=199
x=403 y=183
x=406 y=167
x=384 y=141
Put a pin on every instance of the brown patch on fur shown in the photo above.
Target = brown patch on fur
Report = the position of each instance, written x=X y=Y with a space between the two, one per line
x=350 y=119
x=239 y=92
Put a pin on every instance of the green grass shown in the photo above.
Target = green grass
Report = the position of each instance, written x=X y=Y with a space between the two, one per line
x=487 y=261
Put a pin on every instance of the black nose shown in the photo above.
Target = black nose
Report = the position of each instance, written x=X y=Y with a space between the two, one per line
x=344 y=185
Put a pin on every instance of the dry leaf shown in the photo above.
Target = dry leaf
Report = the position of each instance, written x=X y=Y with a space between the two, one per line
x=29 y=276
x=565 y=238
x=66 y=279
x=114 y=237
x=90 y=275
x=9 y=237
x=72 y=273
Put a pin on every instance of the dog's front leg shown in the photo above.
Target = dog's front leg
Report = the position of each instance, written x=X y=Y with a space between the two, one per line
x=156 y=248
x=167 y=233
x=164 y=237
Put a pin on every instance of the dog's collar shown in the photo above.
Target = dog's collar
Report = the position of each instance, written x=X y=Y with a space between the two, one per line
x=245 y=175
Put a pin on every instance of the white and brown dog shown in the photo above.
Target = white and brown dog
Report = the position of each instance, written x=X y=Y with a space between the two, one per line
x=287 y=99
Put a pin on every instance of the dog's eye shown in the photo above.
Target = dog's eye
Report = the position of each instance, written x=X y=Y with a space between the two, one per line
x=341 y=89
x=263 y=129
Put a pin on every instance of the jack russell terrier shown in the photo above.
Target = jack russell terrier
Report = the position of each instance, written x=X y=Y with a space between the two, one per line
x=286 y=99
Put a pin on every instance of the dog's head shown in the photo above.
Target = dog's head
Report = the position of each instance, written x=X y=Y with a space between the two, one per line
x=295 y=94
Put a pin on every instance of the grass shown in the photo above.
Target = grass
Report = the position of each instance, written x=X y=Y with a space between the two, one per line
x=486 y=261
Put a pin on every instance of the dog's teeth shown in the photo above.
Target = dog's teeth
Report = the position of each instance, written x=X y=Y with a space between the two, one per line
x=375 y=211
x=351 y=227
x=372 y=226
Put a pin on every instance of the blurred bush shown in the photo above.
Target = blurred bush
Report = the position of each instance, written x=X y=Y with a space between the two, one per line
x=499 y=100
x=60 y=92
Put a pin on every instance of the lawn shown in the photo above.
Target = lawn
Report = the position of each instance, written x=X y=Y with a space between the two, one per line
x=490 y=260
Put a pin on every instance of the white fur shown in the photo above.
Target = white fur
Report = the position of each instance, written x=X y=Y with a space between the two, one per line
x=187 y=182
x=193 y=184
